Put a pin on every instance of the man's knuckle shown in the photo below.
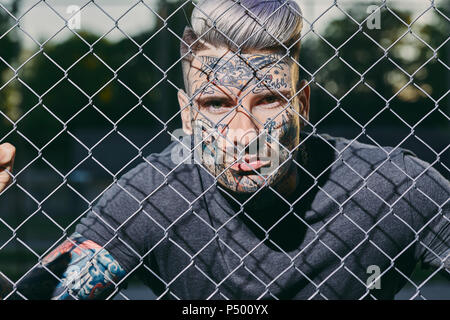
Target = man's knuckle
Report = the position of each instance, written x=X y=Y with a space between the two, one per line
x=8 y=150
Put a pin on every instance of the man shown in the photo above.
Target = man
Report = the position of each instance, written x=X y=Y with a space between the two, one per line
x=256 y=208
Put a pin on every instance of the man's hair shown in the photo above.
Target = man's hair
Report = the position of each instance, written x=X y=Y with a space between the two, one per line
x=243 y=26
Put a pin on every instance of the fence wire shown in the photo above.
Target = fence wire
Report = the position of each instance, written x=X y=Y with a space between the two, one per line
x=309 y=28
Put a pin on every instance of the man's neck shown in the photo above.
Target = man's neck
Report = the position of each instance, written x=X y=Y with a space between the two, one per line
x=257 y=205
x=287 y=186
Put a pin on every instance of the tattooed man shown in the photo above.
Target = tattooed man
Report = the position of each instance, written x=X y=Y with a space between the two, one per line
x=247 y=204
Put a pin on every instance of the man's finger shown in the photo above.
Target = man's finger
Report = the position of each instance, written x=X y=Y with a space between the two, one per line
x=7 y=155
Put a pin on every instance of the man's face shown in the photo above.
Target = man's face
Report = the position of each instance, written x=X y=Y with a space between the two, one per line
x=244 y=116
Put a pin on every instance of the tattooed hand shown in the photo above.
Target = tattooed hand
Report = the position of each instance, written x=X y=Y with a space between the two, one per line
x=77 y=269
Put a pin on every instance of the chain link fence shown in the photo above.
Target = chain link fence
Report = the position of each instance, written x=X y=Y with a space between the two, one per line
x=87 y=104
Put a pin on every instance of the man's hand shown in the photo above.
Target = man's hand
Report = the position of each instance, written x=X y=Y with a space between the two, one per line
x=77 y=269
x=7 y=155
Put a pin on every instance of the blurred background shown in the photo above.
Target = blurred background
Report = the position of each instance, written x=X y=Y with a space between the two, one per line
x=72 y=147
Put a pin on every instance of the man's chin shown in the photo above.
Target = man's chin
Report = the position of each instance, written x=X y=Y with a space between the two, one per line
x=247 y=183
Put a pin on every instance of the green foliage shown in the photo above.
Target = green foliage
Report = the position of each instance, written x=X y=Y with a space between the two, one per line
x=89 y=82
x=9 y=51
x=365 y=70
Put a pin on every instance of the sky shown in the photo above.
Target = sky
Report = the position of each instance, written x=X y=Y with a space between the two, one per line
x=41 y=22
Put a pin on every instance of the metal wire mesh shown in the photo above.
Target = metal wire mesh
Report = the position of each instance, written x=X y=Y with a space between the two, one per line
x=165 y=121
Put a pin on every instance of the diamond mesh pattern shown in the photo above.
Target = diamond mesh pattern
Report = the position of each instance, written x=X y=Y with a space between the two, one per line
x=62 y=183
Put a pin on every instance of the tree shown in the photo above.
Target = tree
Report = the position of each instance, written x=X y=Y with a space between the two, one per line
x=9 y=52
x=381 y=73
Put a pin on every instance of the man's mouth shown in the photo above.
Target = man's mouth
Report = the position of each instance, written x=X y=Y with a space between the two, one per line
x=249 y=163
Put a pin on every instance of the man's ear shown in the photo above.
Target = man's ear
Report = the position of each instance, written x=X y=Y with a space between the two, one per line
x=185 y=107
x=304 y=97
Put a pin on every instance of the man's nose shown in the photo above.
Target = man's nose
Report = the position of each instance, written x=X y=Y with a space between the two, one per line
x=243 y=127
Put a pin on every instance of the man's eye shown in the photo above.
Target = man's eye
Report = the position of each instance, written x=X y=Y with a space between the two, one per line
x=270 y=100
x=215 y=105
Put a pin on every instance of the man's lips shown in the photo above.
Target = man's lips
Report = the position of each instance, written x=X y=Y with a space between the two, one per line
x=249 y=164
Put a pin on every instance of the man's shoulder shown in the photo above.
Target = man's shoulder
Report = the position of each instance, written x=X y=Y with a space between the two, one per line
x=159 y=175
x=366 y=152
x=366 y=157
x=354 y=162
x=157 y=166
